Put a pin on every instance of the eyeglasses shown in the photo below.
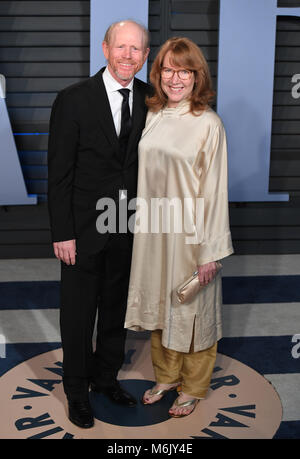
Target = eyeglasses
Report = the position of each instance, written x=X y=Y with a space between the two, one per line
x=167 y=73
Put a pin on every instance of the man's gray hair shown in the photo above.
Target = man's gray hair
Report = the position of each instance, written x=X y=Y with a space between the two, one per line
x=108 y=33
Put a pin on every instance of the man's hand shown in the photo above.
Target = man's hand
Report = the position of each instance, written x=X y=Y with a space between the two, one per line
x=65 y=251
x=207 y=272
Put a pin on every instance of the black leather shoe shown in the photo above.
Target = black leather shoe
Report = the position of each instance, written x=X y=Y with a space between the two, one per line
x=80 y=413
x=115 y=393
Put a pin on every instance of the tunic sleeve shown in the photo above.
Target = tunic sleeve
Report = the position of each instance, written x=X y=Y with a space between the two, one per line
x=217 y=242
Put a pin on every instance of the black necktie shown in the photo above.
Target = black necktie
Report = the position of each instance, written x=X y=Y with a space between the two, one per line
x=125 y=121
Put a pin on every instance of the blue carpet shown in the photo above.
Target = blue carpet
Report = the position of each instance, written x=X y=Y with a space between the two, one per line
x=20 y=352
x=288 y=430
x=236 y=290
x=261 y=289
x=29 y=295
x=265 y=354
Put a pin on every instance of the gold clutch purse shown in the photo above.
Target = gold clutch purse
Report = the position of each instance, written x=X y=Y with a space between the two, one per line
x=187 y=291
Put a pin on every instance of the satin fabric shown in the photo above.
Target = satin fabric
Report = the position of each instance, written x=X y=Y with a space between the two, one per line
x=181 y=156
x=192 y=370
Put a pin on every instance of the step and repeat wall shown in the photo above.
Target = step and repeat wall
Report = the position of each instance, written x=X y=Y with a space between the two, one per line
x=253 y=50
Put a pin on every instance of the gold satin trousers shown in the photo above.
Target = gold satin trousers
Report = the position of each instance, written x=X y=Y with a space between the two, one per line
x=193 y=369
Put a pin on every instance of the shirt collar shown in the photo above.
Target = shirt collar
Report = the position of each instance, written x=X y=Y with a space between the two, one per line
x=111 y=84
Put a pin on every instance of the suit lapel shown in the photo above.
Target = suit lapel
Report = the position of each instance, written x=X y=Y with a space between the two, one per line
x=138 y=120
x=104 y=116
x=103 y=111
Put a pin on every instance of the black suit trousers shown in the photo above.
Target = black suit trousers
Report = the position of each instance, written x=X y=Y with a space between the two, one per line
x=96 y=287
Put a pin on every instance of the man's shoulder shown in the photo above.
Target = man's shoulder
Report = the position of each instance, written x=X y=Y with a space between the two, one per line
x=77 y=89
x=142 y=86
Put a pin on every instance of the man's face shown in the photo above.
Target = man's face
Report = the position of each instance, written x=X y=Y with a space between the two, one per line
x=126 y=52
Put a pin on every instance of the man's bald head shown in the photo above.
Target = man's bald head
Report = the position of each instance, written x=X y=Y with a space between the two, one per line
x=117 y=25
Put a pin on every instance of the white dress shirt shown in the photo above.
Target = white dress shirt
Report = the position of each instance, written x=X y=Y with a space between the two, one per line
x=115 y=98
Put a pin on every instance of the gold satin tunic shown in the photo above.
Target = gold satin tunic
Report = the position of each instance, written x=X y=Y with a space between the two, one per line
x=180 y=156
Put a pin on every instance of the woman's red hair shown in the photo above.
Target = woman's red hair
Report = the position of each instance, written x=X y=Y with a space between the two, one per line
x=187 y=55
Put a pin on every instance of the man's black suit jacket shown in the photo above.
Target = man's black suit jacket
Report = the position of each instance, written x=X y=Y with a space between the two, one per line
x=84 y=159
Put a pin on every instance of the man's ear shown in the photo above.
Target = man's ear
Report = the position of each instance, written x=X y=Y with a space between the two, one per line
x=146 y=54
x=105 y=49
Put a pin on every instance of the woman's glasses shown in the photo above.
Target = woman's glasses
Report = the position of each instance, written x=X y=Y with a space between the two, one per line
x=167 y=73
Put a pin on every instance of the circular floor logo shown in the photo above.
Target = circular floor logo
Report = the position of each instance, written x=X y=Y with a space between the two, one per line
x=240 y=404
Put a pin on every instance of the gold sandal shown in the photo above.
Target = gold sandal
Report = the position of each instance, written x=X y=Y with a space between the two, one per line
x=193 y=401
x=159 y=392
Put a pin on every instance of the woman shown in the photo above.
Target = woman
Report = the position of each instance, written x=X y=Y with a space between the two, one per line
x=182 y=155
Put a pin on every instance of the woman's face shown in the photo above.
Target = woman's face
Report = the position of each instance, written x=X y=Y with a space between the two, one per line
x=176 y=88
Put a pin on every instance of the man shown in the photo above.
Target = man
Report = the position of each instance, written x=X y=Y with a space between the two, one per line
x=92 y=154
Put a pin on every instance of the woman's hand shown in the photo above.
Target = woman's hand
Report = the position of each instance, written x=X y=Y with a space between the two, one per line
x=207 y=272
